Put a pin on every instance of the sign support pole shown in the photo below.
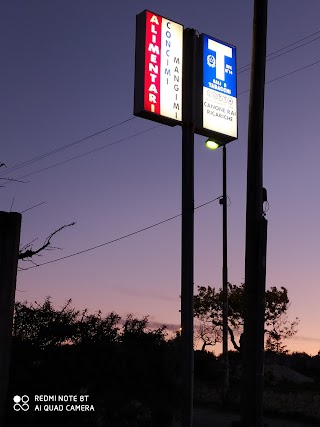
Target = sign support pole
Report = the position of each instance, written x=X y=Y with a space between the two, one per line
x=187 y=239
x=225 y=279
x=256 y=228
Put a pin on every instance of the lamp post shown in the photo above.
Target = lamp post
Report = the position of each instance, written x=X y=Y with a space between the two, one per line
x=213 y=145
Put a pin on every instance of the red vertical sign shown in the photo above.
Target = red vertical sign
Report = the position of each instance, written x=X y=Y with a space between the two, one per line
x=152 y=63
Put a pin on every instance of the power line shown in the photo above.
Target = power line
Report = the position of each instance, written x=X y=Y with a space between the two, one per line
x=34 y=206
x=132 y=118
x=247 y=67
x=240 y=70
x=291 y=44
x=293 y=72
x=91 y=151
x=49 y=153
x=280 y=54
x=285 y=75
x=117 y=239
x=139 y=133
x=104 y=130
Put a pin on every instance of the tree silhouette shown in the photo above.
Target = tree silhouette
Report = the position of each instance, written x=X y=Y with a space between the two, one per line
x=208 y=305
x=128 y=368
x=42 y=325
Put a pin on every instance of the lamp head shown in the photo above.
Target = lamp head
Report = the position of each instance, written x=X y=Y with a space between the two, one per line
x=213 y=145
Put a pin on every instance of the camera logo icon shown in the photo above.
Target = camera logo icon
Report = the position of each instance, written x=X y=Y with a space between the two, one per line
x=21 y=403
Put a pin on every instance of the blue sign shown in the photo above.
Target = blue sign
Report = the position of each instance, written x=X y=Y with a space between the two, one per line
x=219 y=66
x=217 y=115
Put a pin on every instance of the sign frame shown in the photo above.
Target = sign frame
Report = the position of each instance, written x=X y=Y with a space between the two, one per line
x=139 y=86
x=220 y=137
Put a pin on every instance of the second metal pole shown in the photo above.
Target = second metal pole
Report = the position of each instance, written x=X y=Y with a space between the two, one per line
x=225 y=280
x=187 y=234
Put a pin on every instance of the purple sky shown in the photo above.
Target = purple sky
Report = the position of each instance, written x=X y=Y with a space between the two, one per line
x=67 y=72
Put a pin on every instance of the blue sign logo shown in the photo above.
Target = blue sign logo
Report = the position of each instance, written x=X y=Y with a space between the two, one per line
x=219 y=66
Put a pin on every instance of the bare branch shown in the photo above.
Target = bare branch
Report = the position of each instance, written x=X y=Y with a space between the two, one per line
x=28 y=245
x=30 y=253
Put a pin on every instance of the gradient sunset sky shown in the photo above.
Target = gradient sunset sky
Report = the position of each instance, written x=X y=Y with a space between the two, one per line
x=68 y=72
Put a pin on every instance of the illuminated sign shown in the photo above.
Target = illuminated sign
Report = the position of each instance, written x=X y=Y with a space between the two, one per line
x=217 y=90
x=158 y=69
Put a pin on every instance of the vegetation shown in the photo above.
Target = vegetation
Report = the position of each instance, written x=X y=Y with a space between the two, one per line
x=208 y=305
x=130 y=371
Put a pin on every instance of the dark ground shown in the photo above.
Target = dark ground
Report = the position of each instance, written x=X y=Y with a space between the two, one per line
x=213 y=418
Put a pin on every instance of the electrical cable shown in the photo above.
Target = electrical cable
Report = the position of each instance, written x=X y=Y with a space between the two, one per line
x=285 y=75
x=247 y=67
x=117 y=239
x=240 y=70
x=91 y=151
x=42 y=156
x=139 y=133
x=105 y=146
x=34 y=206
x=168 y=219
x=291 y=44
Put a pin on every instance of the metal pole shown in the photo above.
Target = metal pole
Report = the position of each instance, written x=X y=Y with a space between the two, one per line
x=187 y=239
x=253 y=338
x=225 y=279
x=10 y=224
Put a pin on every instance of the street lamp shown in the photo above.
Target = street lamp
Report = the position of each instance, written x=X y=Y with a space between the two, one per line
x=214 y=145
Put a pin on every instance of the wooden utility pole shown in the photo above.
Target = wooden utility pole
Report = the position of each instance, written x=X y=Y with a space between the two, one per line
x=256 y=229
x=10 y=224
